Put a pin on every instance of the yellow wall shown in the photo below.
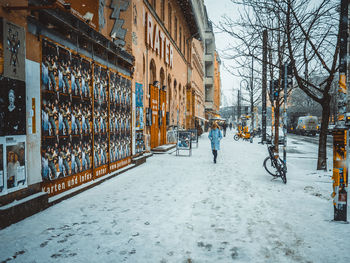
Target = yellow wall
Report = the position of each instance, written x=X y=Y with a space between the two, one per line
x=144 y=55
x=197 y=81
x=217 y=83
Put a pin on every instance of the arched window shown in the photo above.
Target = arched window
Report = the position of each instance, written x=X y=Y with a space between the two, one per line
x=175 y=91
x=169 y=89
x=180 y=96
x=162 y=78
x=152 y=72
x=169 y=18
x=144 y=65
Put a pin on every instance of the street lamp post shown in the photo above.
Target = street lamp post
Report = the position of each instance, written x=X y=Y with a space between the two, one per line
x=240 y=96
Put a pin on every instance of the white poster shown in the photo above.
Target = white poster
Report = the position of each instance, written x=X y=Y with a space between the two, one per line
x=133 y=123
x=14 y=164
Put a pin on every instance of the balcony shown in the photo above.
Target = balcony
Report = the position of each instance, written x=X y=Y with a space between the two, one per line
x=209 y=81
x=208 y=58
x=209 y=105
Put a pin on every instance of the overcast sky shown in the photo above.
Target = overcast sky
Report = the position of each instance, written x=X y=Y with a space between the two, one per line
x=215 y=9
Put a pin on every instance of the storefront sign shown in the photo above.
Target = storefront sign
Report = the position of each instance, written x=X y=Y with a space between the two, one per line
x=157 y=40
x=64 y=184
x=100 y=171
x=119 y=164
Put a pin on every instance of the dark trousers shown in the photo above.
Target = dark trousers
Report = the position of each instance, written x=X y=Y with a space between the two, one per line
x=215 y=153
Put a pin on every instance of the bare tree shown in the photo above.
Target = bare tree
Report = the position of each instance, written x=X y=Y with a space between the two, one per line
x=313 y=48
x=255 y=17
x=304 y=32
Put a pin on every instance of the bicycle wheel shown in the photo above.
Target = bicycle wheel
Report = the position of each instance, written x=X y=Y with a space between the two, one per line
x=283 y=171
x=283 y=176
x=236 y=137
x=270 y=166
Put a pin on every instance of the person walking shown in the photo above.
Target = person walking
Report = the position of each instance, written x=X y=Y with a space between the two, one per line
x=224 y=127
x=215 y=136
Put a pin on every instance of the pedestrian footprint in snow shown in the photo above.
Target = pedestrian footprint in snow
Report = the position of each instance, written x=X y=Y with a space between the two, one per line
x=215 y=136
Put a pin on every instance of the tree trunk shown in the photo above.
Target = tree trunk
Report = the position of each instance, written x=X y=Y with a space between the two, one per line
x=252 y=112
x=277 y=124
x=322 y=145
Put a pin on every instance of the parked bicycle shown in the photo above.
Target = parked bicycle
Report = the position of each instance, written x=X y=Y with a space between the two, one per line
x=275 y=165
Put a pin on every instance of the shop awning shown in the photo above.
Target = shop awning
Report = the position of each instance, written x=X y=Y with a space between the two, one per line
x=201 y=118
x=217 y=119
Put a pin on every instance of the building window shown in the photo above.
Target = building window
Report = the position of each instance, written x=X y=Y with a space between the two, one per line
x=169 y=18
x=180 y=38
x=162 y=10
x=184 y=47
x=154 y=4
x=175 y=29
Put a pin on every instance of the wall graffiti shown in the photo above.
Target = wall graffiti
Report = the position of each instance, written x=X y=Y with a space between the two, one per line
x=118 y=32
x=14 y=51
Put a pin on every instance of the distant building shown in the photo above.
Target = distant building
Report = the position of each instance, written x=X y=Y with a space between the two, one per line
x=212 y=61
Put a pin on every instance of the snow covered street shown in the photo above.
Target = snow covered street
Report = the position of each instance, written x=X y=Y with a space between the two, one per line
x=188 y=209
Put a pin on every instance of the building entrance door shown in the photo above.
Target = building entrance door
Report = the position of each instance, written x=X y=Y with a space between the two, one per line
x=155 y=107
x=162 y=104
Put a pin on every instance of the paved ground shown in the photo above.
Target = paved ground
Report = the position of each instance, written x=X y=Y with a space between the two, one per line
x=187 y=209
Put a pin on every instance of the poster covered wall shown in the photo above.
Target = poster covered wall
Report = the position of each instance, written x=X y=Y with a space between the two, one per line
x=100 y=118
x=12 y=107
x=120 y=119
x=86 y=119
x=66 y=120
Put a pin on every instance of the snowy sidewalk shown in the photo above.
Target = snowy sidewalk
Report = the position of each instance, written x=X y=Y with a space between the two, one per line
x=188 y=209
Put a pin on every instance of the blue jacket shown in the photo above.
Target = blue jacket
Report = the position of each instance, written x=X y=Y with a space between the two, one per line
x=215 y=136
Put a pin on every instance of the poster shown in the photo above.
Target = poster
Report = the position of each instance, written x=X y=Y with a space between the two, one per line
x=66 y=113
x=13 y=38
x=15 y=165
x=140 y=142
x=120 y=118
x=86 y=119
x=2 y=185
x=184 y=140
x=100 y=120
x=139 y=106
x=12 y=107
